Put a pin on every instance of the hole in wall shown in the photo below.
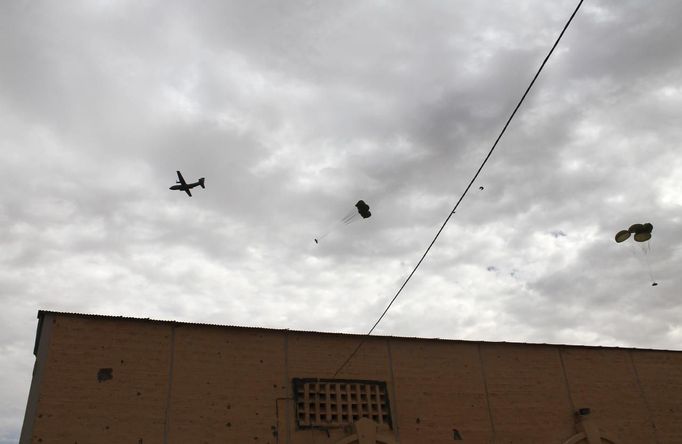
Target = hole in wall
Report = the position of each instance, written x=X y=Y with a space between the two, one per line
x=105 y=374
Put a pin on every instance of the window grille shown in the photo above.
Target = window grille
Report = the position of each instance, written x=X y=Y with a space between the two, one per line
x=332 y=403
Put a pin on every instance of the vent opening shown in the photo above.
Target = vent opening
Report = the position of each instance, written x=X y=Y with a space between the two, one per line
x=330 y=403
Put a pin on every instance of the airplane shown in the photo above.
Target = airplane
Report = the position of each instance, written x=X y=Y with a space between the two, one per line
x=184 y=186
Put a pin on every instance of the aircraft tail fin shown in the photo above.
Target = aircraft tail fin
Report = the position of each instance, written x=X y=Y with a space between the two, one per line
x=201 y=182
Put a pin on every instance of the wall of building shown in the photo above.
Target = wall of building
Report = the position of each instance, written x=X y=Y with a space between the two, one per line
x=187 y=383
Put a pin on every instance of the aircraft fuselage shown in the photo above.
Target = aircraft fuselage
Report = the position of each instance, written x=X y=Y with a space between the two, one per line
x=185 y=187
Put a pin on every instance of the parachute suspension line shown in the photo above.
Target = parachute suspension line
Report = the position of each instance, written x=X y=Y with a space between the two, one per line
x=648 y=266
x=349 y=215
x=466 y=190
x=648 y=260
x=350 y=219
x=319 y=238
x=330 y=228
x=643 y=257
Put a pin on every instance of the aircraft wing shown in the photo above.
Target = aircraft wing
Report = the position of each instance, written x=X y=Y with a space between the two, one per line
x=182 y=180
x=188 y=193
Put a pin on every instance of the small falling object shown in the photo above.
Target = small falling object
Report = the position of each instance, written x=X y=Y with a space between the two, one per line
x=480 y=188
x=654 y=284
x=316 y=241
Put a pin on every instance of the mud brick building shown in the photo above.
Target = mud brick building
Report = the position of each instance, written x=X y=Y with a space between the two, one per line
x=103 y=379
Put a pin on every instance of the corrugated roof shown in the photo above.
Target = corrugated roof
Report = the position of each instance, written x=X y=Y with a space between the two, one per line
x=41 y=313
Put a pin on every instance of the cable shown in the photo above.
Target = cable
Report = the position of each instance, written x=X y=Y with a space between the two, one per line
x=447 y=219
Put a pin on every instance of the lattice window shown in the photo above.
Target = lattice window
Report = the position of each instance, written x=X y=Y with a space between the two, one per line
x=336 y=403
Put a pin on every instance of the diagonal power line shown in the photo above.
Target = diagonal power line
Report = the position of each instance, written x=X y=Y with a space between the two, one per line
x=473 y=179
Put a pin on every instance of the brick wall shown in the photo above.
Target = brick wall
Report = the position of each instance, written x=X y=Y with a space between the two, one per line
x=185 y=383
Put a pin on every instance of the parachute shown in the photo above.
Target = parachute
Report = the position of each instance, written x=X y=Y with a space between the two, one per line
x=642 y=233
x=361 y=208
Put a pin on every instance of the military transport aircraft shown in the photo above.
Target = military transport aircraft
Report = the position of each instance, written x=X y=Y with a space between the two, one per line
x=184 y=186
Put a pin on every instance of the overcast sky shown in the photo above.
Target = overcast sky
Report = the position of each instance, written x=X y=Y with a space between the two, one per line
x=293 y=111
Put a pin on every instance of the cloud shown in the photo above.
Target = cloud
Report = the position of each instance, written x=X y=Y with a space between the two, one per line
x=295 y=112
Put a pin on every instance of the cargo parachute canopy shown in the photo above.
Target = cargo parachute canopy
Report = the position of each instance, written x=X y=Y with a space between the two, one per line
x=363 y=209
x=642 y=233
x=622 y=236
